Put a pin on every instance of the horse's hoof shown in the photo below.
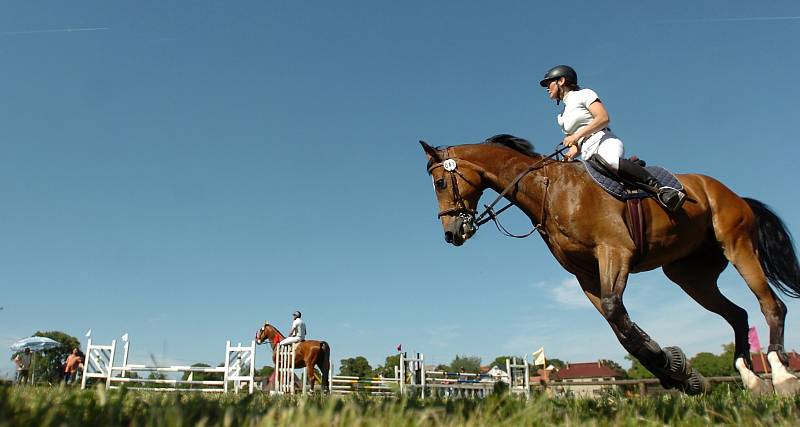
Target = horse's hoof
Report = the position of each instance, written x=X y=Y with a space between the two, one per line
x=696 y=384
x=677 y=364
x=784 y=382
x=750 y=380
x=786 y=385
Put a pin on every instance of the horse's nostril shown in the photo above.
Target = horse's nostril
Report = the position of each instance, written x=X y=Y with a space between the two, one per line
x=448 y=236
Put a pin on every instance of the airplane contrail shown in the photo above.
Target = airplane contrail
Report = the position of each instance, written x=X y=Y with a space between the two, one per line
x=57 y=30
x=753 y=18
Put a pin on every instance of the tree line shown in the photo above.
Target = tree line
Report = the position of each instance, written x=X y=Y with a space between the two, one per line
x=709 y=364
x=49 y=364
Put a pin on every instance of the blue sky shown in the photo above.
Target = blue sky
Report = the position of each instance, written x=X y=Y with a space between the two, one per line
x=182 y=171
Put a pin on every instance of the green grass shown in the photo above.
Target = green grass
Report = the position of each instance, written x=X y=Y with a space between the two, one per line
x=43 y=406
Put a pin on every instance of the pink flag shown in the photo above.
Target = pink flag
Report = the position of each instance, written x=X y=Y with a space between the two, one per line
x=752 y=338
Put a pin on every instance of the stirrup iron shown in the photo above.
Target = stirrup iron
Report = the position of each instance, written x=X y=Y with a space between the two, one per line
x=670 y=198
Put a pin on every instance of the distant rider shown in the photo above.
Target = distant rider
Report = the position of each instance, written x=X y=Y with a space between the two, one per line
x=298 y=332
x=585 y=122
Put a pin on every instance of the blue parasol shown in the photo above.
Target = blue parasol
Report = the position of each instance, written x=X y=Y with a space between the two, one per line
x=35 y=344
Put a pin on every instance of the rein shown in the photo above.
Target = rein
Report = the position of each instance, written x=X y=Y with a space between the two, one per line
x=463 y=211
x=491 y=215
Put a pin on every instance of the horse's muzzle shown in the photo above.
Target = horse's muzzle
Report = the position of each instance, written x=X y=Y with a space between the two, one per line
x=461 y=228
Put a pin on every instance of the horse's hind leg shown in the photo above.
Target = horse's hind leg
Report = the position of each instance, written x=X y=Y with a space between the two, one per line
x=324 y=367
x=309 y=361
x=774 y=311
x=311 y=375
x=739 y=248
x=697 y=276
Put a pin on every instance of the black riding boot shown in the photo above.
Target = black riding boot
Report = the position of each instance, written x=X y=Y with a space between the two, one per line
x=671 y=198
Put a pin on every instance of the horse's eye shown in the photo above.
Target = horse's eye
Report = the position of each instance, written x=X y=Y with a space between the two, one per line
x=441 y=184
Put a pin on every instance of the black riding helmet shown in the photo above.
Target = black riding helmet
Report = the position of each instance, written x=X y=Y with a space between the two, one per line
x=559 y=71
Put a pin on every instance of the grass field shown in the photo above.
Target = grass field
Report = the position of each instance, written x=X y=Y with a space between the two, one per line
x=45 y=406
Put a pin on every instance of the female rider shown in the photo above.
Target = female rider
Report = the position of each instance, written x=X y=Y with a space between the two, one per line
x=585 y=122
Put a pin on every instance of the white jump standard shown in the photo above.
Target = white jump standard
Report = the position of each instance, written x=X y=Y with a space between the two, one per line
x=519 y=376
x=284 y=369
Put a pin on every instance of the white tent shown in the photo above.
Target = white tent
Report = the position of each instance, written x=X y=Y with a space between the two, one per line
x=498 y=374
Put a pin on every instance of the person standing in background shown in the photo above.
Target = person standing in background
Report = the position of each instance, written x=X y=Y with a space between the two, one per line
x=23 y=362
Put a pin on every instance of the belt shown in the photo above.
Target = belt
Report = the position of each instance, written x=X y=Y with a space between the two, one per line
x=605 y=129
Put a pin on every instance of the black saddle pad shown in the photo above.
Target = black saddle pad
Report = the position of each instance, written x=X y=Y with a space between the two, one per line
x=615 y=188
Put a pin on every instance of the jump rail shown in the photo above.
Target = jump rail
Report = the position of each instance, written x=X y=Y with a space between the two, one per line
x=238 y=368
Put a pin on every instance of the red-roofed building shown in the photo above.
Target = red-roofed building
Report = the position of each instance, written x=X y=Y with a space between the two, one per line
x=758 y=362
x=582 y=373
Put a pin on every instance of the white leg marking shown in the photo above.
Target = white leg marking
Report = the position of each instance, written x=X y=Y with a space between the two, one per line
x=751 y=380
x=785 y=383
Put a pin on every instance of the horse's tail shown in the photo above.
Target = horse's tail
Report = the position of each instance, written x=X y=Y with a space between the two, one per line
x=324 y=363
x=776 y=250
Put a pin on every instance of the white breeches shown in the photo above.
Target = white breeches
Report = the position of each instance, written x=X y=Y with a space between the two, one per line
x=290 y=340
x=606 y=145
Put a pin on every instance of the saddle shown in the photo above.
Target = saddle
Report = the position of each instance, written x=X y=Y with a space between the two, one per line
x=605 y=176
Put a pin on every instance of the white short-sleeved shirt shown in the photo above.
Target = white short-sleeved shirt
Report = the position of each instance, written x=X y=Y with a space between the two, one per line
x=24 y=361
x=576 y=110
x=577 y=115
x=299 y=328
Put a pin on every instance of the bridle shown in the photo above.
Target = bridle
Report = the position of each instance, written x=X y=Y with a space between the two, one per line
x=460 y=209
x=272 y=342
x=468 y=215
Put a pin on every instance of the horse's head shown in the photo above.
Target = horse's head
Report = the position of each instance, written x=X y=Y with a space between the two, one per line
x=267 y=333
x=458 y=185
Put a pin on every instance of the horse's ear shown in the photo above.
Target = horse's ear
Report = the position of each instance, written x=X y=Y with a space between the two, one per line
x=431 y=152
x=266 y=323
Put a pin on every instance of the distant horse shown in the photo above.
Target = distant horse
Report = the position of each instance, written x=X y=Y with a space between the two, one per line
x=308 y=353
x=585 y=229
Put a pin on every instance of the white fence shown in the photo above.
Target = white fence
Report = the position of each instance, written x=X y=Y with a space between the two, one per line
x=238 y=369
x=375 y=386
x=408 y=378
x=411 y=378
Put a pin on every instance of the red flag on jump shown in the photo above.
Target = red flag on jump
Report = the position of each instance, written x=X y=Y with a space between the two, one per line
x=399 y=347
x=752 y=338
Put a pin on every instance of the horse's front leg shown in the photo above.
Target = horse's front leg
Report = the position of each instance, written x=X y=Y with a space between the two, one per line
x=669 y=365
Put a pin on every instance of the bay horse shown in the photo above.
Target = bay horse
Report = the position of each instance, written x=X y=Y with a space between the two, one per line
x=585 y=229
x=308 y=353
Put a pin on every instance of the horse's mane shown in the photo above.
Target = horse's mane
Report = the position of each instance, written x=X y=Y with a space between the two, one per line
x=520 y=145
x=277 y=331
x=515 y=143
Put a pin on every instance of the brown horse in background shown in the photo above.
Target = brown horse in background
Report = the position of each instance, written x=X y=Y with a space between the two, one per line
x=585 y=229
x=308 y=353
